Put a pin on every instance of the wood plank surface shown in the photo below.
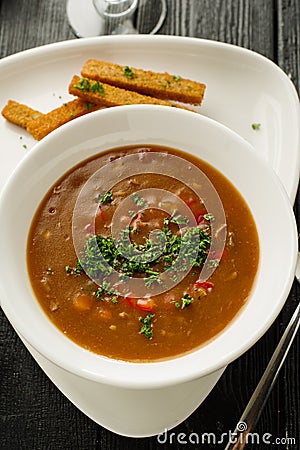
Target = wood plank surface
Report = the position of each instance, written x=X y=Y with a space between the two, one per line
x=34 y=414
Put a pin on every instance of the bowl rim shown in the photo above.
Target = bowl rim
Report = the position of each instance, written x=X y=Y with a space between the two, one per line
x=161 y=368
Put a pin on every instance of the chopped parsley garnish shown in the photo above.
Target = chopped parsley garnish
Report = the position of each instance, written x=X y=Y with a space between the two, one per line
x=163 y=253
x=152 y=278
x=256 y=126
x=209 y=217
x=176 y=77
x=128 y=72
x=85 y=85
x=186 y=300
x=132 y=214
x=105 y=289
x=98 y=87
x=139 y=201
x=177 y=219
x=170 y=251
x=146 y=328
x=213 y=263
x=105 y=198
x=74 y=270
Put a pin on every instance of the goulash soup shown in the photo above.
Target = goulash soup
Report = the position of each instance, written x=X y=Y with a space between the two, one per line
x=178 y=310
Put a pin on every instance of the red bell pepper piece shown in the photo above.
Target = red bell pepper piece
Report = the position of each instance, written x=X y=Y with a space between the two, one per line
x=145 y=304
x=204 y=284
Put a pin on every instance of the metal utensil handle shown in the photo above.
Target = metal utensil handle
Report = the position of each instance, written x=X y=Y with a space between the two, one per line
x=256 y=403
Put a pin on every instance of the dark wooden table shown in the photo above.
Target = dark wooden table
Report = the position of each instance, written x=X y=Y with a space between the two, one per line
x=34 y=414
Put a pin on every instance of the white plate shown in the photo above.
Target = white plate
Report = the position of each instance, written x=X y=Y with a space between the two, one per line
x=242 y=88
x=124 y=384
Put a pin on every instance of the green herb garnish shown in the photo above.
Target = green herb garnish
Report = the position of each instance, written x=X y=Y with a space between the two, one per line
x=177 y=219
x=74 y=270
x=139 y=201
x=176 y=77
x=83 y=85
x=209 y=217
x=105 y=198
x=132 y=214
x=146 y=328
x=98 y=87
x=256 y=126
x=213 y=263
x=152 y=278
x=128 y=72
x=105 y=289
x=112 y=254
x=186 y=300
x=102 y=255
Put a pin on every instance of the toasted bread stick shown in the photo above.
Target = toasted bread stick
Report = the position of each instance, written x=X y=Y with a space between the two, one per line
x=19 y=114
x=159 y=85
x=43 y=125
x=107 y=95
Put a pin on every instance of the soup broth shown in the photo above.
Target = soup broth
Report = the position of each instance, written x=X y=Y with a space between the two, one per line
x=152 y=326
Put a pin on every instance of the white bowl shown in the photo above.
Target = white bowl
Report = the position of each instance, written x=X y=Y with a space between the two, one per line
x=172 y=127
